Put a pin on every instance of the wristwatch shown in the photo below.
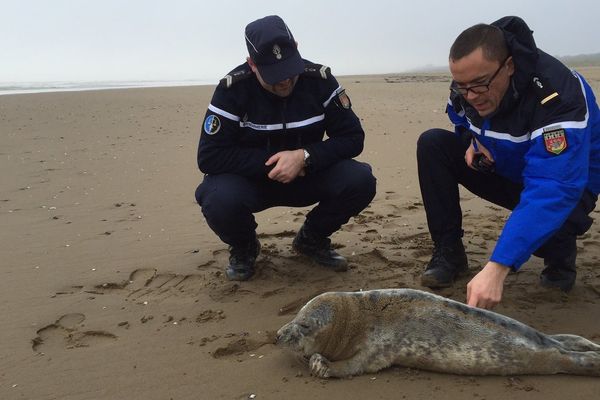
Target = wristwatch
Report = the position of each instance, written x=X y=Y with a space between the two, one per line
x=307 y=160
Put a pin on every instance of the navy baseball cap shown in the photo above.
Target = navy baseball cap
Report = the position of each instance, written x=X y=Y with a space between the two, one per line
x=273 y=49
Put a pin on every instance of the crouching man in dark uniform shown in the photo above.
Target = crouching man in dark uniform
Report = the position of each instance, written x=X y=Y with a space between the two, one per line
x=527 y=138
x=262 y=146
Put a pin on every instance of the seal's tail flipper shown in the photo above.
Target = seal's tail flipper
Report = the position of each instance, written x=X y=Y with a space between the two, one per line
x=576 y=343
x=586 y=363
x=579 y=355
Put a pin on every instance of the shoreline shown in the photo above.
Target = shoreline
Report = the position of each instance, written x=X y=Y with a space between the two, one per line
x=11 y=88
x=7 y=89
x=84 y=86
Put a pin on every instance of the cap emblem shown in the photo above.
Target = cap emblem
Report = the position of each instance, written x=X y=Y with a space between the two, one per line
x=277 y=52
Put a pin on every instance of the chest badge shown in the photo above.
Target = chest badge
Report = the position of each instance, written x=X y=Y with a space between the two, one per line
x=555 y=141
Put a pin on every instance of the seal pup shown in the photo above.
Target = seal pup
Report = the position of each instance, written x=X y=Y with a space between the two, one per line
x=350 y=333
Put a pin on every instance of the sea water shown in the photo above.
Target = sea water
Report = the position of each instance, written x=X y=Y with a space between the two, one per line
x=41 y=87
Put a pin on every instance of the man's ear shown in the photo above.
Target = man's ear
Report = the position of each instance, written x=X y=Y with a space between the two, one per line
x=510 y=65
x=251 y=64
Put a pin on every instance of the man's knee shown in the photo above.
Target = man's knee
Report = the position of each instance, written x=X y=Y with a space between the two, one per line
x=365 y=181
x=358 y=180
x=223 y=196
x=433 y=137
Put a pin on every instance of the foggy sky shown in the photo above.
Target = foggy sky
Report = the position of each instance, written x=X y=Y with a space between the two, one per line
x=63 y=40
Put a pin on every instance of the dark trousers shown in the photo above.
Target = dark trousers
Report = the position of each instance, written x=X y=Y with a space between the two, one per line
x=229 y=201
x=442 y=167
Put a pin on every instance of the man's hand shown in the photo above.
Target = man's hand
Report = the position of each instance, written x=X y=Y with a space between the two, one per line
x=289 y=164
x=485 y=289
x=470 y=153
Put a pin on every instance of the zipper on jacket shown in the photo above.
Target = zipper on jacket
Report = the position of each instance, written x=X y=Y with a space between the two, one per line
x=284 y=137
x=485 y=126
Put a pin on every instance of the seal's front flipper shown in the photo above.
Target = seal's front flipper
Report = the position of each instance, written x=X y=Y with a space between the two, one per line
x=323 y=368
x=319 y=366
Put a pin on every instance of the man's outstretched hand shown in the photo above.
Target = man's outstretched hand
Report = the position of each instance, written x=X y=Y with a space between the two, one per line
x=485 y=289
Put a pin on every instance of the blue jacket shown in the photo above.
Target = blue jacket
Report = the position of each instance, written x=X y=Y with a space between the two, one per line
x=545 y=135
x=245 y=124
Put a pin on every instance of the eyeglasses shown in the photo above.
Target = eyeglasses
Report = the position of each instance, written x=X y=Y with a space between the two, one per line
x=479 y=88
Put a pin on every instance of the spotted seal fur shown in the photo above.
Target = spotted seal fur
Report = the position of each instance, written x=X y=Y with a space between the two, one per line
x=350 y=333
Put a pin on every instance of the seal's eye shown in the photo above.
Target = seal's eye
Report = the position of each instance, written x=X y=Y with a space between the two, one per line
x=304 y=326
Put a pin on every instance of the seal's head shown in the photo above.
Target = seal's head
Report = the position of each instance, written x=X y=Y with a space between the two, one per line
x=305 y=332
x=331 y=324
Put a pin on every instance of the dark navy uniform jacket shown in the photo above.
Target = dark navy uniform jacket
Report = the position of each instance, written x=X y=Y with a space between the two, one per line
x=245 y=124
x=545 y=135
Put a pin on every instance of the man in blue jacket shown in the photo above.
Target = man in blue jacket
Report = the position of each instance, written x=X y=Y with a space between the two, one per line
x=262 y=146
x=527 y=138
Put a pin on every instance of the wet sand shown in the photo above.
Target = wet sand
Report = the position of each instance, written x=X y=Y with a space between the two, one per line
x=112 y=284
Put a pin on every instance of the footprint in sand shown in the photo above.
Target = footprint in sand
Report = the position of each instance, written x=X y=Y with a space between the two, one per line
x=210 y=315
x=282 y=234
x=68 y=332
x=244 y=345
x=371 y=235
x=391 y=195
x=147 y=284
x=127 y=208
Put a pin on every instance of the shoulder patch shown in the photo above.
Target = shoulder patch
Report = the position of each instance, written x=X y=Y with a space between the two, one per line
x=317 y=71
x=212 y=124
x=544 y=91
x=555 y=140
x=236 y=76
x=342 y=100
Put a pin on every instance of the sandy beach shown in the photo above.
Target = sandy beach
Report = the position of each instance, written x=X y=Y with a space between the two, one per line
x=112 y=284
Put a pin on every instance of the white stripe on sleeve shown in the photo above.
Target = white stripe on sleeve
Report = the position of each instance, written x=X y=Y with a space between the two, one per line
x=223 y=113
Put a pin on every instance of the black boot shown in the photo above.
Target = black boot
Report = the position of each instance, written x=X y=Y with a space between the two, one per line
x=560 y=272
x=447 y=263
x=241 y=261
x=318 y=249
